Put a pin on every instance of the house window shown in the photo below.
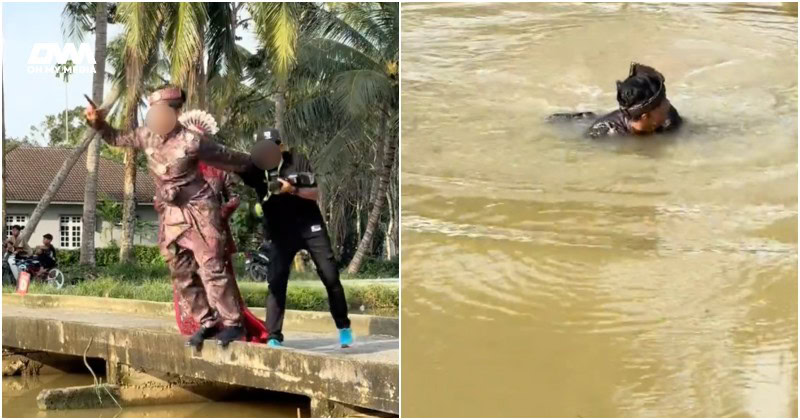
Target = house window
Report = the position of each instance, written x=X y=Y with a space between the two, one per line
x=70 y=232
x=12 y=220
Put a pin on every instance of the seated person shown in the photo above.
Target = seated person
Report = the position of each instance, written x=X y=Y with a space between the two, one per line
x=643 y=107
x=14 y=244
x=15 y=248
x=46 y=253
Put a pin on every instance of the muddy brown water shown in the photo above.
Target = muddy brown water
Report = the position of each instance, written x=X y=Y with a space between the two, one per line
x=19 y=400
x=547 y=275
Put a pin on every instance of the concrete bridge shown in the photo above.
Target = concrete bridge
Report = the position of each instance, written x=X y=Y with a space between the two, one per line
x=142 y=336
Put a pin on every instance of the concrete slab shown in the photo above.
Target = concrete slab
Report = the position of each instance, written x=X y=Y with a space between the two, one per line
x=308 y=321
x=365 y=375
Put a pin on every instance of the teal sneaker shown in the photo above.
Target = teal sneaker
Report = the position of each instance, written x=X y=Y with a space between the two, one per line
x=275 y=344
x=345 y=337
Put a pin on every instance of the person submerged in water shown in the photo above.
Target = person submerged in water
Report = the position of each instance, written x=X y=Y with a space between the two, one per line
x=643 y=107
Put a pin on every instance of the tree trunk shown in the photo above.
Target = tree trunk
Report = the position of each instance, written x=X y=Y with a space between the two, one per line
x=377 y=200
x=358 y=213
x=2 y=80
x=391 y=244
x=280 y=110
x=89 y=220
x=66 y=167
x=129 y=197
x=201 y=82
x=66 y=105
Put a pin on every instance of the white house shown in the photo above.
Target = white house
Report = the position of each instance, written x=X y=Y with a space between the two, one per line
x=29 y=172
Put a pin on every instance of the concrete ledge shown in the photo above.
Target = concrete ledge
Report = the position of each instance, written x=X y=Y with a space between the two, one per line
x=309 y=321
x=348 y=377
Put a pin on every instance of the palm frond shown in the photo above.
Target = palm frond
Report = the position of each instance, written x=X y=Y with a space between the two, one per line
x=185 y=40
x=333 y=27
x=142 y=23
x=77 y=19
x=277 y=26
x=359 y=91
x=223 y=56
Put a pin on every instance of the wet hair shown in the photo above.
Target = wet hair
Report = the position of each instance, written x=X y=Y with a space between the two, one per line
x=48 y=236
x=175 y=103
x=637 y=89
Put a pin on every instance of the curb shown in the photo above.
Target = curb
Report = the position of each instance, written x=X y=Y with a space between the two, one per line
x=309 y=321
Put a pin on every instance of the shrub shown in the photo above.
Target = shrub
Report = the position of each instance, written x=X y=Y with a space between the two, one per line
x=374 y=268
x=375 y=299
x=109 y=256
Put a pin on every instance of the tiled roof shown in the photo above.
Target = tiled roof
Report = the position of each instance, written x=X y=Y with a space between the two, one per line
x=30 y=170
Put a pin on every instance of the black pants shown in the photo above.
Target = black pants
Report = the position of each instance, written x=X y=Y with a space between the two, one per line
x=285 y=247
x=46 y=262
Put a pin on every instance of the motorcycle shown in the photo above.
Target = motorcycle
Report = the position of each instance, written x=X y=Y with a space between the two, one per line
x=256 y=263
x=8 y=275
x=33 y=267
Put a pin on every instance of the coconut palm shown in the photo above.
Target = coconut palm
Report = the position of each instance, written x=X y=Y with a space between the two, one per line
x=278 y=27
x=77 y=20
x=178 y=34
x=80 y=26
x=354 y=52
x=332 y=74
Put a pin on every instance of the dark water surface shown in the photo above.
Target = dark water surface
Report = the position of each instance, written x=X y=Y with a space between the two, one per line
x=547 y=275
x=19 y=400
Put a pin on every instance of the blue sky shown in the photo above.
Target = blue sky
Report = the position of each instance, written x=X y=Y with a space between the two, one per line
x=31 y=96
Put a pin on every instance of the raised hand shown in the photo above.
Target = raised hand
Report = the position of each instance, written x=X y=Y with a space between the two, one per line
x=94 y=116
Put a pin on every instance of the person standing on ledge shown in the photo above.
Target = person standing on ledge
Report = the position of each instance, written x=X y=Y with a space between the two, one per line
x=192 y=238
x=643 y=107
x=292 y=221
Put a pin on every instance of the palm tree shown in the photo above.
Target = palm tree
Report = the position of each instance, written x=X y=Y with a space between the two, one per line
x=63 y=71
x=178 y=34
x=5 y=149
x=355 y=48
x=55 y=185
x=77 y=21
x=278 y=27
x=331 y=71
x=142 y=33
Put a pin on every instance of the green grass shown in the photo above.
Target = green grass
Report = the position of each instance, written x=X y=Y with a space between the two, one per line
x=132 y=284
x=145 y=272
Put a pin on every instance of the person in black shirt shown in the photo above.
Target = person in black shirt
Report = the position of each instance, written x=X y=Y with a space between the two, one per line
x=643 y=107
x=46 y=253
x=292 y=221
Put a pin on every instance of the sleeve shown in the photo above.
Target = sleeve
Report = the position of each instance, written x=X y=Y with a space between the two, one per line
x=52 y=248
x=254 y=178
x=570 y=116
x=114 y=137
x=220 y=156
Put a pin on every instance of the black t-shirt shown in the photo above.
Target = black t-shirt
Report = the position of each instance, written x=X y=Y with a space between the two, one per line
x=47 y=257
x=616 y=123
x=284 y=213
x=49 y=251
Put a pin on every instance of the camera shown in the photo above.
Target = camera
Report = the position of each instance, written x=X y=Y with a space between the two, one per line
x=299 y=180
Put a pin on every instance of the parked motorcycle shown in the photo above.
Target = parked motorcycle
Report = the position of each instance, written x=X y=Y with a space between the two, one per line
x=33 y=267
x=8 y=275
x=256 y=263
